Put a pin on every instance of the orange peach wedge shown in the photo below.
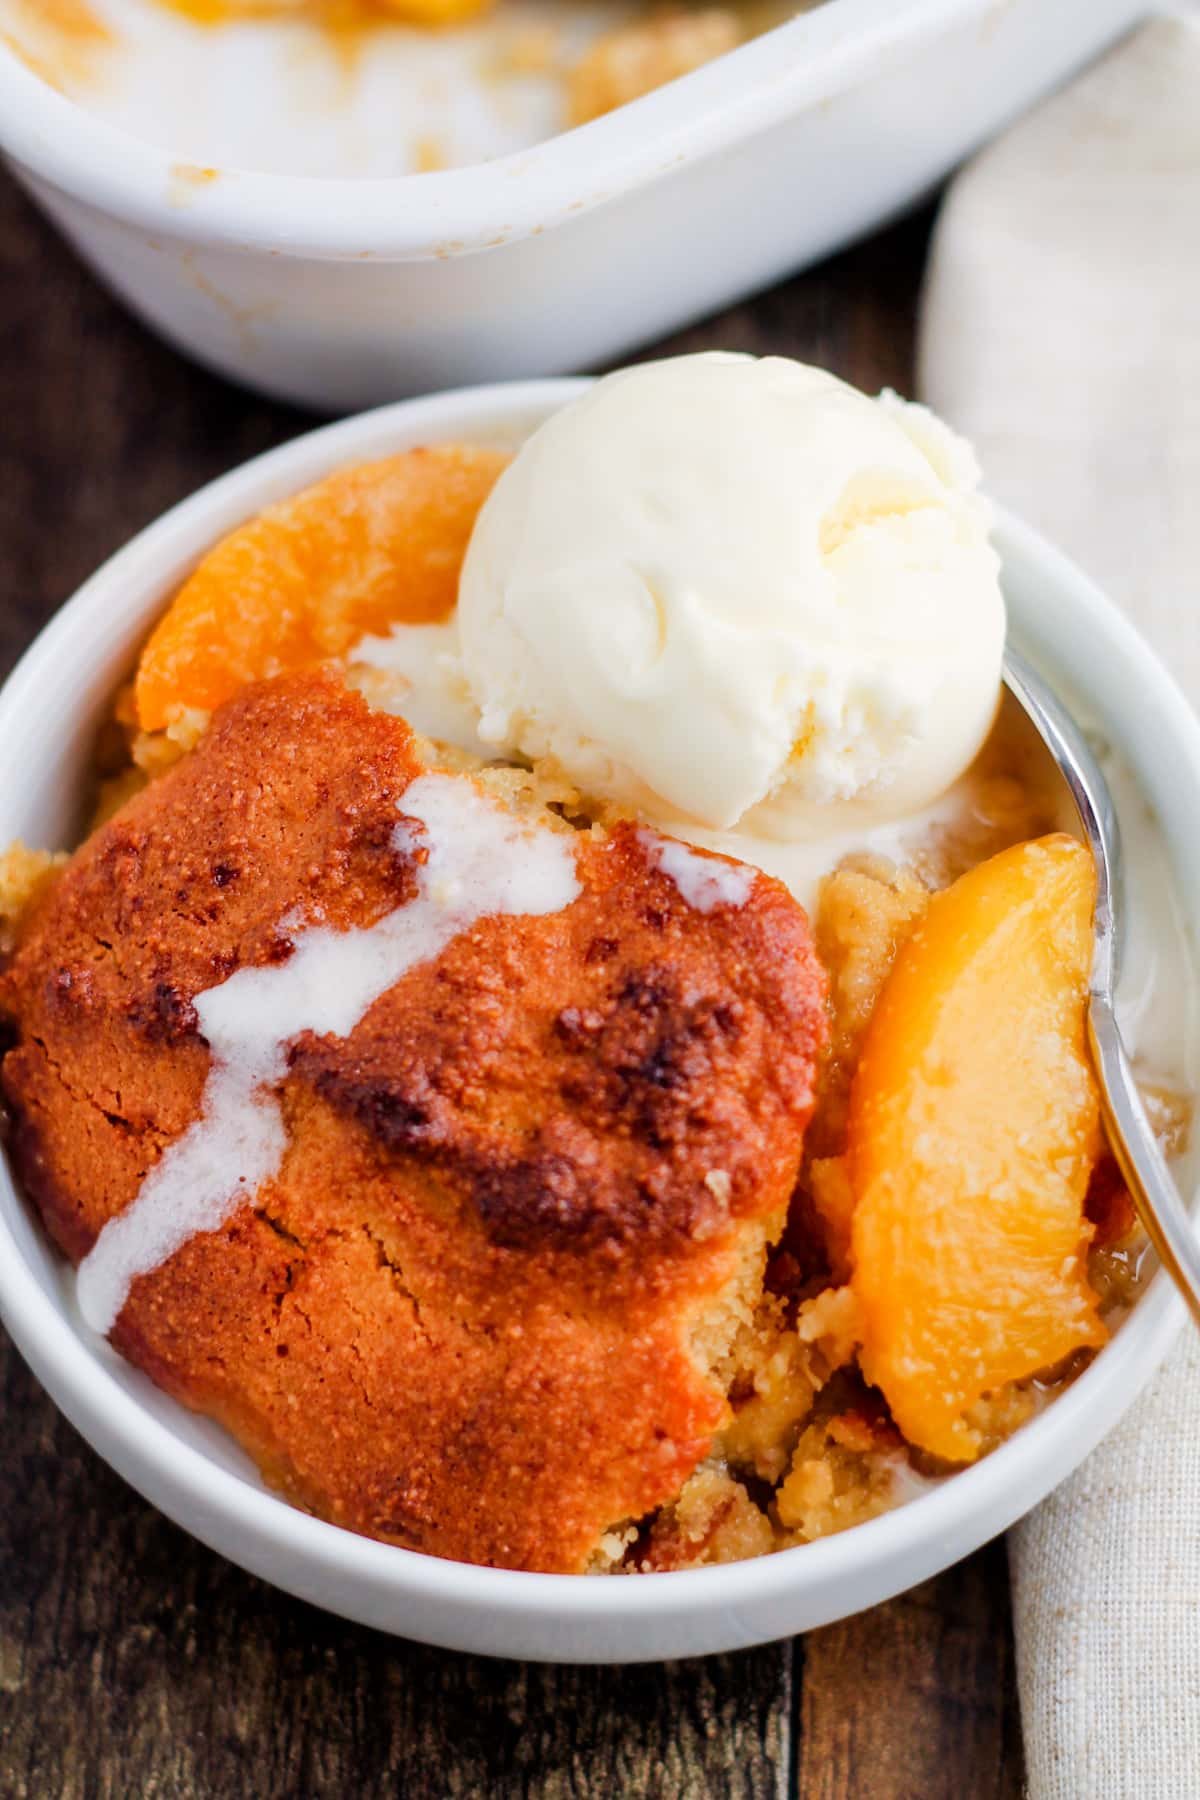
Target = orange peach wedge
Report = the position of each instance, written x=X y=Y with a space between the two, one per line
x=368 y=547
x=973 y=1127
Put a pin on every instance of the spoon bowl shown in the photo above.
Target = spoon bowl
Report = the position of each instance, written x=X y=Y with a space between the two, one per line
x=1155 y=1197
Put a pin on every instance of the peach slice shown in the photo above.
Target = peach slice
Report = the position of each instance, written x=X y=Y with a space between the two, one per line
x=972 y=1131
x=371 y=546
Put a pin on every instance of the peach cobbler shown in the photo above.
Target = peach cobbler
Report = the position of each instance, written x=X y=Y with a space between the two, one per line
x=634 y=57
x=461 y=1061
x=367 y=87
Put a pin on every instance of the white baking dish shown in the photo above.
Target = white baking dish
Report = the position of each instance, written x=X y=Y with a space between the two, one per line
x=341 y=293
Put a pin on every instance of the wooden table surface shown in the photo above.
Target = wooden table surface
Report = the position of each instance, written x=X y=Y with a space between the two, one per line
x=133 y=1662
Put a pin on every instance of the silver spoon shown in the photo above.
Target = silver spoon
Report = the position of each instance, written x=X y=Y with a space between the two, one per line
x=1130 y=1135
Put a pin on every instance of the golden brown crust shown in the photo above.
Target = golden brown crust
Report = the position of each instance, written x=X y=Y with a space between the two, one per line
x=463 y=1315
x=646 y=53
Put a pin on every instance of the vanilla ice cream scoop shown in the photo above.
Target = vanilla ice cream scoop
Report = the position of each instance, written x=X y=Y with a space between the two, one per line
x=737 y=592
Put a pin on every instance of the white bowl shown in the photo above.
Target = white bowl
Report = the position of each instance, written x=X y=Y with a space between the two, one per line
x=48 y=712
x=344 y=293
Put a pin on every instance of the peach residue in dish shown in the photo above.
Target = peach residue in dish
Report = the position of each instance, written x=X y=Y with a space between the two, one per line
x=335 y=16
x=637 y=58
x=59 y=40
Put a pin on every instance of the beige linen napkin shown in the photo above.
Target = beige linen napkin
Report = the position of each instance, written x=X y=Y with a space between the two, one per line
x=1061 y=331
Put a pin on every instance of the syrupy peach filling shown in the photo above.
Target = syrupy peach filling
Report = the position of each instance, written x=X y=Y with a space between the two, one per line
x=330 y=15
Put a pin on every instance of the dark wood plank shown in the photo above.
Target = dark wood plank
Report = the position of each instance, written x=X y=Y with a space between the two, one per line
x=101 y=426
x=132 y=1661
x=915 y=1700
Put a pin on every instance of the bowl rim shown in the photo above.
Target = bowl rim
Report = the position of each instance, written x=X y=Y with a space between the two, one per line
x=923 y=1534
x=449 y=213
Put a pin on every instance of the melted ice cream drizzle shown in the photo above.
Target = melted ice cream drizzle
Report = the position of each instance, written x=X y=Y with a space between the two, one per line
x=704 y=882
x=480 y=861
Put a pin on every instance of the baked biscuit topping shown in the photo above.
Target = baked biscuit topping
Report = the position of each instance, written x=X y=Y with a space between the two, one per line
x=474 y=1298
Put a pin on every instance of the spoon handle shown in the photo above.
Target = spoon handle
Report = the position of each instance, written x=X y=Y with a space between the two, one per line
x=1155 y=1197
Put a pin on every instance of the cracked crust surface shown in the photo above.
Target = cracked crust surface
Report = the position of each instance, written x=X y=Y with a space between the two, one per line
x=476 y=1311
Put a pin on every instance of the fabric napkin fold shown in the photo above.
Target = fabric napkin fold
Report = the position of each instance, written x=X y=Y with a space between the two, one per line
x=1061 y=332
